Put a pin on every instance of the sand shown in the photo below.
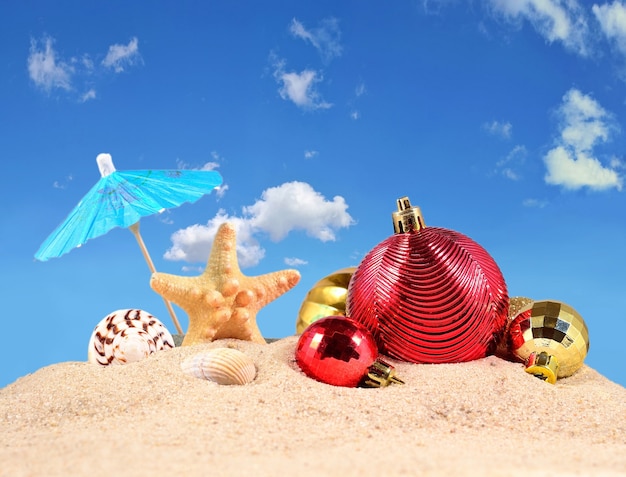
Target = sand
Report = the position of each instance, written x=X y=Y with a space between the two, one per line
x=487 y=417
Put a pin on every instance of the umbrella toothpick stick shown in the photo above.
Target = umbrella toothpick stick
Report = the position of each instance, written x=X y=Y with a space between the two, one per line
x=135 y=230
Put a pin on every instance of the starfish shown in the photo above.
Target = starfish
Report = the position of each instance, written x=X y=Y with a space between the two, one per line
x=223 y=302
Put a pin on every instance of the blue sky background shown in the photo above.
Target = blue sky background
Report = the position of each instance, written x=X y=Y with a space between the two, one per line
x=503 y=120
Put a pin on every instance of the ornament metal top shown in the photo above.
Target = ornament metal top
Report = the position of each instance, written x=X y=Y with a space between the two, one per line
x=429 y=294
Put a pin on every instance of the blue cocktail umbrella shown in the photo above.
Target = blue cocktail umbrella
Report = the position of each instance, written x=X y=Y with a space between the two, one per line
x=121 y=199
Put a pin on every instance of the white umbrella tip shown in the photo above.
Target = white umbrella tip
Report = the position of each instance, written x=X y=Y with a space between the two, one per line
x=105 y=164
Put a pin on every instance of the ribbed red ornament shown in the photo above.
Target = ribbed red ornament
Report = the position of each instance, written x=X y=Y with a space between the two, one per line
x=429 y=295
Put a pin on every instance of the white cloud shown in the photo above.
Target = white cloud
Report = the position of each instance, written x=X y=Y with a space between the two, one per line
x=612 y=19
x=87 y=63
x=575 y=170
x=297 y=206
x=289 y=207
x=49 y=71
x=165 y=217
x=299 y=87
x=509 y=164
x=220 y=190
x=209 y=166
x=584 y=119
x=295 y=262
x=120 y=56
x=193 y=243
x=498 y=128
x=510 y=174
x=615 y=163
x=64 y=184
x=310 y=154
x=46 y=70
x=435 y=7
x=359 y=91
x=571 y=163
x=192 y=269
x=556 y=20
x=534 y=203
x=91 y=94
x=518 y=153
x=325 y=38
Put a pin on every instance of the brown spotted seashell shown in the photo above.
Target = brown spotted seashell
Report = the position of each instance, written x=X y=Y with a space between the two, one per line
x=221 y=365
x=125 y=336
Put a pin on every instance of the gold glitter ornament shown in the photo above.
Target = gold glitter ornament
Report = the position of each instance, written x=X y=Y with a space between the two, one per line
x=516 y=304
x=327 y=297
x=550 y=337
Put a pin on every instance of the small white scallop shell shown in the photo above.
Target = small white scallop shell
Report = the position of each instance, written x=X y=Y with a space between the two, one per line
x=127 y=335
x=221 y=365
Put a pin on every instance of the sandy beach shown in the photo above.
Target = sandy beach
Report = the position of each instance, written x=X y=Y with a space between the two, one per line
x=486 y=417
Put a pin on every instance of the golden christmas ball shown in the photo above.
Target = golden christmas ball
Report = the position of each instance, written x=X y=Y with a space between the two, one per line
x=516 y=303
x=326 y=298
x=550 y=337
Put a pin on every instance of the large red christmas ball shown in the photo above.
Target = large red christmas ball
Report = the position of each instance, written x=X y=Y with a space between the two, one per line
x=430 y=295
x=336 y=350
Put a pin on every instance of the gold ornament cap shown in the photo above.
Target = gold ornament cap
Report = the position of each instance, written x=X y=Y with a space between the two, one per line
x=407 y=218
x=380 y=375
x=543 y=366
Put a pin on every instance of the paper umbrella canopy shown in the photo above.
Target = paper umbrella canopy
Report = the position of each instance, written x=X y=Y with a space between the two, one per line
x=121 y=199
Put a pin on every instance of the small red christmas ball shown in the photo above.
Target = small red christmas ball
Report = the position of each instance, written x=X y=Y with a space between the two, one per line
x=336 y=350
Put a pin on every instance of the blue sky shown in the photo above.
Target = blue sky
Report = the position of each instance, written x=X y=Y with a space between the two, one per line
x=503 y=120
